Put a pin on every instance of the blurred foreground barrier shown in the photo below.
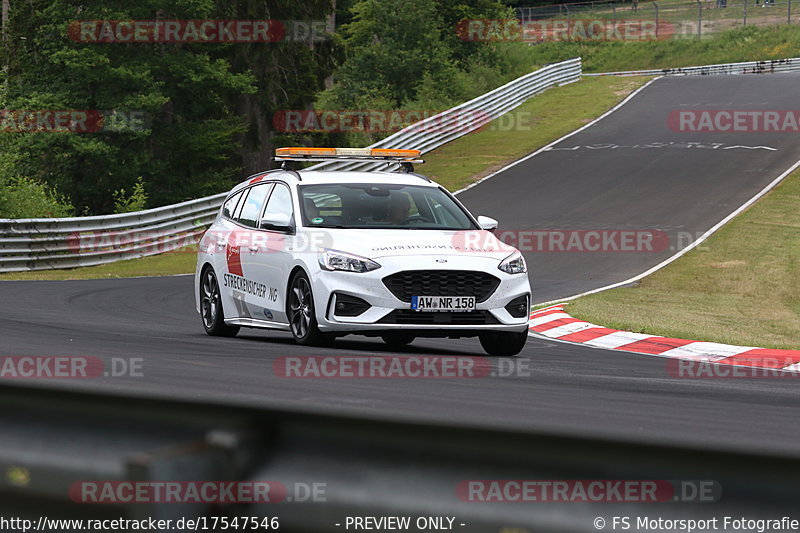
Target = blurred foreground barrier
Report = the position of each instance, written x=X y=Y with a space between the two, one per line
x=78 y=455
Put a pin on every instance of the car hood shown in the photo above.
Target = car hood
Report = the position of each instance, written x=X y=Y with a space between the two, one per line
x=382 y=243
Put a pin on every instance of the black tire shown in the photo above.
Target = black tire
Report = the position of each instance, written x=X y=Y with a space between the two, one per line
x=302 y=315
x=211 y=313
x=501 y=344
x=397 y=338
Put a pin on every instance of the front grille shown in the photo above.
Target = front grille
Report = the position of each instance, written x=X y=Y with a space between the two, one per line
x=410 y=283
x=467 y=318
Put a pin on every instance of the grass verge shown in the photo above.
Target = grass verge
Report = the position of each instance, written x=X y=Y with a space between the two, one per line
x=534 y=124
x=178 y=262
x=739 y=287
x=742 y=44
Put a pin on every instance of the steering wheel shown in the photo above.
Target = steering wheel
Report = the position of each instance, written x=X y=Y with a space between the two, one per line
x=417 y=219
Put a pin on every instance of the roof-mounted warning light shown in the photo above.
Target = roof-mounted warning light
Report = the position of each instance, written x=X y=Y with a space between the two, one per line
x=406 y=158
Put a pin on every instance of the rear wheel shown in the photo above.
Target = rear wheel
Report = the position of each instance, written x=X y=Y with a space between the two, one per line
x=302 y=316
x=211 y=307
x=397 y=338
x=502 y=344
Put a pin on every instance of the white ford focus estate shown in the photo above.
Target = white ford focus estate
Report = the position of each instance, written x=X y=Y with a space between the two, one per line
x=323 y=254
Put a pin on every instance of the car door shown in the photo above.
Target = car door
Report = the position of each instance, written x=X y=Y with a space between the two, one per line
x=239 y=280
x=218 y=238
x=271 y=255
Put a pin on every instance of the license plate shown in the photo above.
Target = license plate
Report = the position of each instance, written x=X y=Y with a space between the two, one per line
x=443 y=303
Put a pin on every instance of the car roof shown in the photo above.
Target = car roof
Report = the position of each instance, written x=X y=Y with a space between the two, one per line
x=317 y=177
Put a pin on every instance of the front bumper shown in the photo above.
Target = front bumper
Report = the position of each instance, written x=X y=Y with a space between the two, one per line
x=389 y=313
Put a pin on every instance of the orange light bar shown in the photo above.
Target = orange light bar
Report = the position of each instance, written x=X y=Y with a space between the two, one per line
x=392 y=152
x=304 y=151
x=347 y=152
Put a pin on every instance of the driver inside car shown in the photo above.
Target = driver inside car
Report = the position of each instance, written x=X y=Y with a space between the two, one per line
x=399 y=209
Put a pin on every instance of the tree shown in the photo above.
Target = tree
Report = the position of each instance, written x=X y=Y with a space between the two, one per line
x=188 y=118
x=408 y=54
x=390 y=46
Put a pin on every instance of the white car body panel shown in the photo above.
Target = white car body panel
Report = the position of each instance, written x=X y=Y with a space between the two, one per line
x=254 y=266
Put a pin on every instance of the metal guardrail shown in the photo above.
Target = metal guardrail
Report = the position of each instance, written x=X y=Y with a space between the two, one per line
x=433 y=132
x=55 y=439
x=48 y=243
x=772 y=66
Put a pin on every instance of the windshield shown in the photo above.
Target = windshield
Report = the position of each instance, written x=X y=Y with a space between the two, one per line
x=379 y=206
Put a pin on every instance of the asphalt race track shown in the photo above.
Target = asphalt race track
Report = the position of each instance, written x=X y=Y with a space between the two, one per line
x=569 y=389
x=632 y=172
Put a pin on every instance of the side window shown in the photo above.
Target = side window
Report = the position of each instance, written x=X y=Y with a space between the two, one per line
x=252 y=205
x=319 y=207
x=230 y=205
x=279 y=202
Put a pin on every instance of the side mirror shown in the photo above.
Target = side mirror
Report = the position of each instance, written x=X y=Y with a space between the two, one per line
x=487 y=223
x=277 y=222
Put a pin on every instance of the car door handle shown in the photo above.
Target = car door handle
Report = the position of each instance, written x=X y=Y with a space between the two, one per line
x=221 y=245
x=254 y=249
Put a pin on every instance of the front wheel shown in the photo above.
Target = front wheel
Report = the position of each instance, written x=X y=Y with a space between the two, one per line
x=502 y=344
x=211 y=307
x=302 y=318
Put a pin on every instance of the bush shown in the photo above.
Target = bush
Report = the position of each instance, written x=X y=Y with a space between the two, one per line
x=27 y=198
x=136 y=201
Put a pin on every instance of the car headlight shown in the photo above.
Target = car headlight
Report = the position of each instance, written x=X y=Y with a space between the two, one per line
x=331 y=260
x=513 y=264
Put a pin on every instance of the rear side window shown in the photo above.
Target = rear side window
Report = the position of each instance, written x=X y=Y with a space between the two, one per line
x=229 y=207
x=280 y=202
x=253 y=203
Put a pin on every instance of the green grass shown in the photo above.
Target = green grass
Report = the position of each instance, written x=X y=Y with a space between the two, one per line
x=739 y=287
x=547 y=117
x=742 y=44
x=178 y=262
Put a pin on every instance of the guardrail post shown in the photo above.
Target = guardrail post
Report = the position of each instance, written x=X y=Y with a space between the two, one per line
x=566 y=8
x=699 y=18
x=655 y=6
